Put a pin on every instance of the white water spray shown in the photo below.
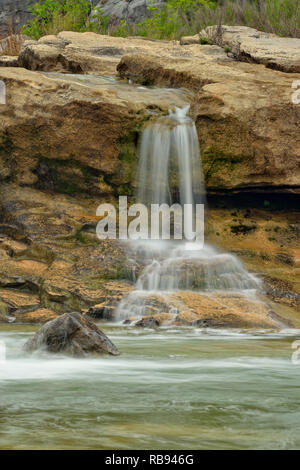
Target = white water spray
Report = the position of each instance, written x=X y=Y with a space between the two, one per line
x=170 y=148
x=170 y=169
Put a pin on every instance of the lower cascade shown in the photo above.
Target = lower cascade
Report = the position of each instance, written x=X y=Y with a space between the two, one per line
x=170 y=172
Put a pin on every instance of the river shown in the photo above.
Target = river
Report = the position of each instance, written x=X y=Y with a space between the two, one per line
x=171 y=388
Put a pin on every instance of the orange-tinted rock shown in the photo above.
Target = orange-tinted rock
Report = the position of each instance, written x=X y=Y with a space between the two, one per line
x=41 y=315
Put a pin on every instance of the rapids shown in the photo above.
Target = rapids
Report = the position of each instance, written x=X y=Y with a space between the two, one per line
x=171 y=388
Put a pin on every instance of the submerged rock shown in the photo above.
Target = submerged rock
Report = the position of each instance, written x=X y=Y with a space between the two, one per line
x=72 y=334
x=217 y=309
x=148 y=322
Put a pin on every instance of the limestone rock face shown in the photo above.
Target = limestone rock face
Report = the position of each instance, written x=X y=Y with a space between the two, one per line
x=130 y=11
x=68 y=143
x=68 y=116
x=71 y=135
x=95 y=53
x=71 y=334
x=51 y=260
x=13 y=13
x=8 y=61
x=41 y=315
x=187 y=40
x=247 y=123
x=250 y=45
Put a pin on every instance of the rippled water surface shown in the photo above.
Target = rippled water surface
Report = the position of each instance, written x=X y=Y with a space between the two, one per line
x=170 y=389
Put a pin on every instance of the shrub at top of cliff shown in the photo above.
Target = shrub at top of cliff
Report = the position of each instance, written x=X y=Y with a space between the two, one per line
x=161 y=19
x=187 y=17
x=53 y=16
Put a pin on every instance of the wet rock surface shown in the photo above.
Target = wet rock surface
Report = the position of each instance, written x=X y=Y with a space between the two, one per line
x=73 y=136
x=147 y=322
x=244 y=115
x=68 y=145
x=47 y=265
x=71 y=334
x=46 y=269
x=244 y=112
x=208 y=310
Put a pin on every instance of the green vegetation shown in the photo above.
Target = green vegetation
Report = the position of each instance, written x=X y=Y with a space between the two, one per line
x=204 y=40
x=54 y=16
x=175 y=19
x=242 y=229
x=218 y=164
x=188 y=17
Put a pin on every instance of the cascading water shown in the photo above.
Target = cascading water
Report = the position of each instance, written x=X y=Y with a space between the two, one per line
x=170 y=171
x=170 y=145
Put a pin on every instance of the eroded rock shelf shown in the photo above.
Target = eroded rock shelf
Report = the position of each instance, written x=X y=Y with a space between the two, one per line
x=69 y=142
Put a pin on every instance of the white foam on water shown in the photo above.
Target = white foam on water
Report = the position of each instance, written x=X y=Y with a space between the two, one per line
x=177 y=265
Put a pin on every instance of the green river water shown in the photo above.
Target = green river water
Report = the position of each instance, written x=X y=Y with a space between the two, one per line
x=171 y=388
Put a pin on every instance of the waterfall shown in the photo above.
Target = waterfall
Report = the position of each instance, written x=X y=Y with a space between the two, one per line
x=170 y=146
x=170 y=171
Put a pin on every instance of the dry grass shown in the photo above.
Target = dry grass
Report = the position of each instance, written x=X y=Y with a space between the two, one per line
x=11 y=44
x=281 y=17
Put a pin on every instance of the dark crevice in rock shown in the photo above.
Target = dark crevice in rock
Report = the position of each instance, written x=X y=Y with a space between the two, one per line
x=253 y=199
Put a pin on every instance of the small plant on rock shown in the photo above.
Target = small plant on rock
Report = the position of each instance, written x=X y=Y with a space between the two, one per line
x=204 y=40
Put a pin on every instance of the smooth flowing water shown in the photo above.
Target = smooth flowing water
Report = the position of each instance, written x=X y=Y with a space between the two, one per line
x=135 y=93
x=170 y=173
x=171 y=388
x=170 y=145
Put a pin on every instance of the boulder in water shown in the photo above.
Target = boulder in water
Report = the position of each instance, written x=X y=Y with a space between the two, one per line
x=72 y=334
x=149 y=322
